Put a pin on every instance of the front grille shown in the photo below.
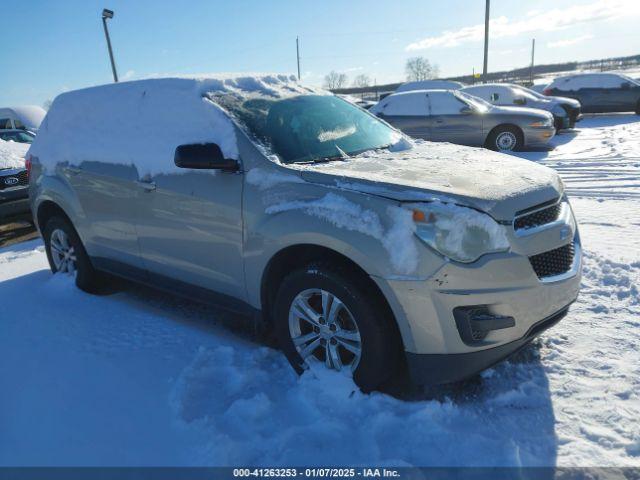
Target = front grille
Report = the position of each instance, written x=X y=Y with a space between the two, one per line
x=553 y=262
x=23 y=180
x=537 y=218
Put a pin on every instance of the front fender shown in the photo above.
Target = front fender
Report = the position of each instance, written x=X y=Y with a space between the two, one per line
x=363 y=228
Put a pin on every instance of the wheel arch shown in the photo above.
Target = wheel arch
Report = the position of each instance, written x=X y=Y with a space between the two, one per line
x=300 y=255
x=48 y=209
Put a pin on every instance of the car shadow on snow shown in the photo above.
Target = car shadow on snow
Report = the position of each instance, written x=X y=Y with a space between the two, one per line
x=596 y=120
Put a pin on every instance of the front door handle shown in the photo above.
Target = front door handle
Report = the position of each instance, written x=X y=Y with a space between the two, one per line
x=147 y=186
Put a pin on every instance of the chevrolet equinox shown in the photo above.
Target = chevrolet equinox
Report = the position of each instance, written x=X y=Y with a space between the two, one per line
x=362 y=250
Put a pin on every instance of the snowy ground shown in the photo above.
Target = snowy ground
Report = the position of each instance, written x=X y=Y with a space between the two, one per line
x=136 y=378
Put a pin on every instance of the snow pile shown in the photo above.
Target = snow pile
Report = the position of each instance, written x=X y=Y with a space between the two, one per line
x=142 y=122
x=12 y=154
x=397 y=240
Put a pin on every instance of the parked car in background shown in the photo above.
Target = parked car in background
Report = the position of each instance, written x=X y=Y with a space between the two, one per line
x=430 y=85
x=19 y=136
x=361 y=250
x=28 y=117
x=599 y=92
x=565 y=111
x=457 y=117
x=14 y=179
x=362 y=103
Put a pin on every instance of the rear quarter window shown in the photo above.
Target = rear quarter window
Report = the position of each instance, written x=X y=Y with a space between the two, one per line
x=406 y=105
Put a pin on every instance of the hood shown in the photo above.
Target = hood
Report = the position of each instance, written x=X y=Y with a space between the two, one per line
x=495 y=183
x=531 y=112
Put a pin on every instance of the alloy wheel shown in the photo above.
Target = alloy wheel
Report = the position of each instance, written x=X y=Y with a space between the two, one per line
x=62 y=252
x=323 y=329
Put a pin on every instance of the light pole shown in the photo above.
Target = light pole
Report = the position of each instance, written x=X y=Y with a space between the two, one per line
x=533 y=51
x=109 y=14
x=486 y=40
x=298 y=55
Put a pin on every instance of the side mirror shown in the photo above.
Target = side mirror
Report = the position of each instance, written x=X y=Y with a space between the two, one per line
x=466 y=111
x=519 y=101
x=203 y=156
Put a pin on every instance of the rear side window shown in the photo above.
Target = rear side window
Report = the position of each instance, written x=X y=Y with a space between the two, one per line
x=413 y=104
x=444 y=103
x=5 y=124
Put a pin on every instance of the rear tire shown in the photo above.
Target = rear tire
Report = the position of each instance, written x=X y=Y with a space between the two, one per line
x=66 y=254
x=505 y=138
x=379 y=359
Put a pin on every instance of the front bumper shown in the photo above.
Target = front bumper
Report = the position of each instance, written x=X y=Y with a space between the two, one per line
x=14 y=202
x=538 y=136
x=438 y=369
x=464 y=317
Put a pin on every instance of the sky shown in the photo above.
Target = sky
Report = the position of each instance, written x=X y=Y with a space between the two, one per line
x=59 y=45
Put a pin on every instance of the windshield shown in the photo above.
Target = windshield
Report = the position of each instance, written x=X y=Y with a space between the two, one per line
x=526 y=93
x=308 y=128
x=475 y=102
x=20 y=137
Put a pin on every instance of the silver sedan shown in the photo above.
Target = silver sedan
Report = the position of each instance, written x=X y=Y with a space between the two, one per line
x=457 y=117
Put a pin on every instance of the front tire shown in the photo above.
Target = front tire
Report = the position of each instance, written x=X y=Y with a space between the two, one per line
x=66 y=254
x=505 y=138
x=325 y=316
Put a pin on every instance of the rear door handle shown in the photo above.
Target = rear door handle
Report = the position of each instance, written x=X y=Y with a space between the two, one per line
x=147 y=186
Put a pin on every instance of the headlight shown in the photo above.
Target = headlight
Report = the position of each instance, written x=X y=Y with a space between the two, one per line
x=459 y=233
x=542 y=123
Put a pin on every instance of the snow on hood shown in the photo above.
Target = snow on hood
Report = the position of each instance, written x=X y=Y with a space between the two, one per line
x=496 y=183
x=12 y=154
x=141 y=122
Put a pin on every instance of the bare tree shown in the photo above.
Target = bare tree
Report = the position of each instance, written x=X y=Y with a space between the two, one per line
x=335 y=80
x=419 y=68
x=362 y=81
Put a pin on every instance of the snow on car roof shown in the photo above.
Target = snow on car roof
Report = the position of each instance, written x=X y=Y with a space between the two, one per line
x=141 y=122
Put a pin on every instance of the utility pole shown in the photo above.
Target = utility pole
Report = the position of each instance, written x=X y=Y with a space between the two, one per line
x=533 y=52
x=486 y=40
x=298 y=55
x=109 y=14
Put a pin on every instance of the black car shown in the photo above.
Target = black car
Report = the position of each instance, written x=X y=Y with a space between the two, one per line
x=599 y=92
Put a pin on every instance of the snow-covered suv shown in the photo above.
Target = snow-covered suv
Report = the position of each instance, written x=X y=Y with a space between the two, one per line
x=361 y=249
